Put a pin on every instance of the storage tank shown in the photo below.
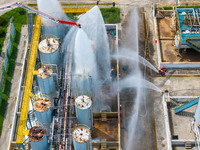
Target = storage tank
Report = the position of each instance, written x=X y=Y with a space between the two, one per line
x=83 y=105
x=82 y=138
x=38 y=138
x=49 y=51
x=43 y=110
x=45 y=80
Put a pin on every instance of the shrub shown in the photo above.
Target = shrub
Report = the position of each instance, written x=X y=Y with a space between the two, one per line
x=22 y=11
x=3 y=21
x=2 y=32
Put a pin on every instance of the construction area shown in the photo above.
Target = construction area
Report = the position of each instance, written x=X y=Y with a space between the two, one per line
x=81 y=83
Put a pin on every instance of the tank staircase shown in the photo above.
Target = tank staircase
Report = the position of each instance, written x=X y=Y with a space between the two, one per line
x=34 y=97
x=186 y=105
x=193 y=42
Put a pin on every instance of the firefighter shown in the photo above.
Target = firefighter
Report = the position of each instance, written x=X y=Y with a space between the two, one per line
x=113 y=3
x=98 y=2
x=162 y=70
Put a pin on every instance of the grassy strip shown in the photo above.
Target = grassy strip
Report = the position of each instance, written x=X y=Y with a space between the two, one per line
x=3 y=29
x=165 y=8
x=19 y=18
x=110 y=15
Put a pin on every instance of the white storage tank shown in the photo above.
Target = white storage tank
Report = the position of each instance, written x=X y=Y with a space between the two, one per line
x=82 y=138
x=38 y=138
x=83 y=105
x=45 y=80
x=49 y=51
x=43 y=110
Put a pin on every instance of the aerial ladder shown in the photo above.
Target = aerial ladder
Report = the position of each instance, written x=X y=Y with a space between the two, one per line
x=42 y=14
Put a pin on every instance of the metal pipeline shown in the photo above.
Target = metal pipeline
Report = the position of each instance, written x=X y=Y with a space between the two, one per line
x=52 y=131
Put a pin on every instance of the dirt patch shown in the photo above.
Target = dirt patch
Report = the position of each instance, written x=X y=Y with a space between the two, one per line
x=164 y=29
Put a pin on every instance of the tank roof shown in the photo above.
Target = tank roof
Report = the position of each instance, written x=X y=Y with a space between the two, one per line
x=45 y=72
x=36 y=133
x=83 y=102
x=42 y=104
x=81 y=134
x=48 y=45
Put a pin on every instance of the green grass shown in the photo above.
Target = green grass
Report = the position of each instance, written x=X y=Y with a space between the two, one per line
x=111 y=15
x=168 y=8
x=18 y=21
x=165 y=8
x=72 y=15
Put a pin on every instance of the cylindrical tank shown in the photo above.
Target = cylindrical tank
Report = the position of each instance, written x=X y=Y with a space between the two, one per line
x=38 y=138
x=82 y=138
x=45 y=80
x=43 y=111
x=83 y=105
x=49 y=51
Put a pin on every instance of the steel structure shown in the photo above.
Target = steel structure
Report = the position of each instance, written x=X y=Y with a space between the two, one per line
x=21 y=130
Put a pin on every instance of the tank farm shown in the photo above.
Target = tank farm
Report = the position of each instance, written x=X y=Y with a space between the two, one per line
x=59 y=108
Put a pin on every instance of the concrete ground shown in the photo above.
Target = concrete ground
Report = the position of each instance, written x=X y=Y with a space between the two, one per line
x=179 y=86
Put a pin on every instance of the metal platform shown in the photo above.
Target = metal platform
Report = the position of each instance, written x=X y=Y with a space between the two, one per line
x=21 y=131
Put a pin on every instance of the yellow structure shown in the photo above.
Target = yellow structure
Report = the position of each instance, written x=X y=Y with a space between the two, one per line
x=21 y=130
x=75 y=10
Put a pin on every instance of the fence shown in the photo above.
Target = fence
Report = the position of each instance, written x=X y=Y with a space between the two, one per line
x=9 y=47
x=6 y=61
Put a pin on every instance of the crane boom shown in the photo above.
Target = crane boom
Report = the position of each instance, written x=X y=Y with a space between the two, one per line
x=42 y=14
